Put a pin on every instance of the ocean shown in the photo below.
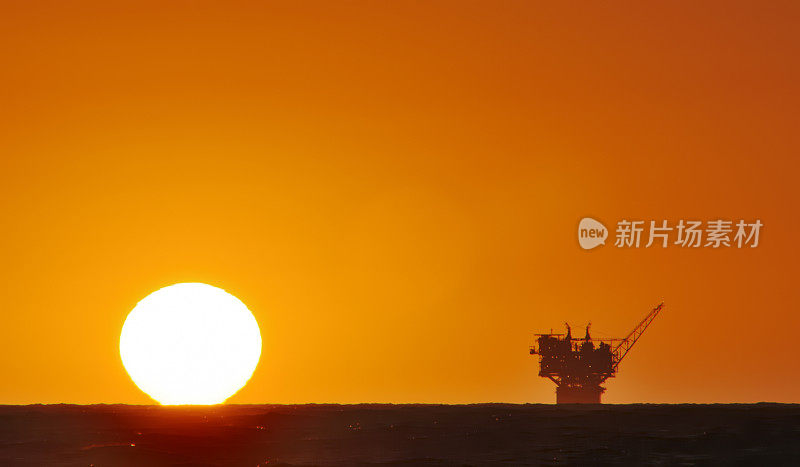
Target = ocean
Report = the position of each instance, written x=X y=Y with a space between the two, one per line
x=408 y=435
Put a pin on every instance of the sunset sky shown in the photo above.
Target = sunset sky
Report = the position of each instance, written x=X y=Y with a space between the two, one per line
x=394 y=189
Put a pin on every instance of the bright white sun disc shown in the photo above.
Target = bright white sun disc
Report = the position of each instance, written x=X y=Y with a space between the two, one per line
x=190 y=343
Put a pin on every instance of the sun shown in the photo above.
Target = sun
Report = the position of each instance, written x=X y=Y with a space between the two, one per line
x=190 y=343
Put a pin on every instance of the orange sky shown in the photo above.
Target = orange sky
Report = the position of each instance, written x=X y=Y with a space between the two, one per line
x=393 y=188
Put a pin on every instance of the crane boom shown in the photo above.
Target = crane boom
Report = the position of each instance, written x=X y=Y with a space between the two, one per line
x=626 y=344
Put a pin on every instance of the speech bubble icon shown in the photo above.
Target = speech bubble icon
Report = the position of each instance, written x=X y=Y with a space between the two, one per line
x=591 y=233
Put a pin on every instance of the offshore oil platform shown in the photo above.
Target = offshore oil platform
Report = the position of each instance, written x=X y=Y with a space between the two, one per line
x=579 y=366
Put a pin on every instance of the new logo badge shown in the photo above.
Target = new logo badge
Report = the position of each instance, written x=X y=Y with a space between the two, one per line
x=591 y=233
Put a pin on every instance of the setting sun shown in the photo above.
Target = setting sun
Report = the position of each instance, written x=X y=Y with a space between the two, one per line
x=190 y=343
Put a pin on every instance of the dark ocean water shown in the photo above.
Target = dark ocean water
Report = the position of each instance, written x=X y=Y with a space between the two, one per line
x=334 y=435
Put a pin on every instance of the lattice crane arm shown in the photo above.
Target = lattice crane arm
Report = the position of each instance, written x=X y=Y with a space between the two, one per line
x=626 y=344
